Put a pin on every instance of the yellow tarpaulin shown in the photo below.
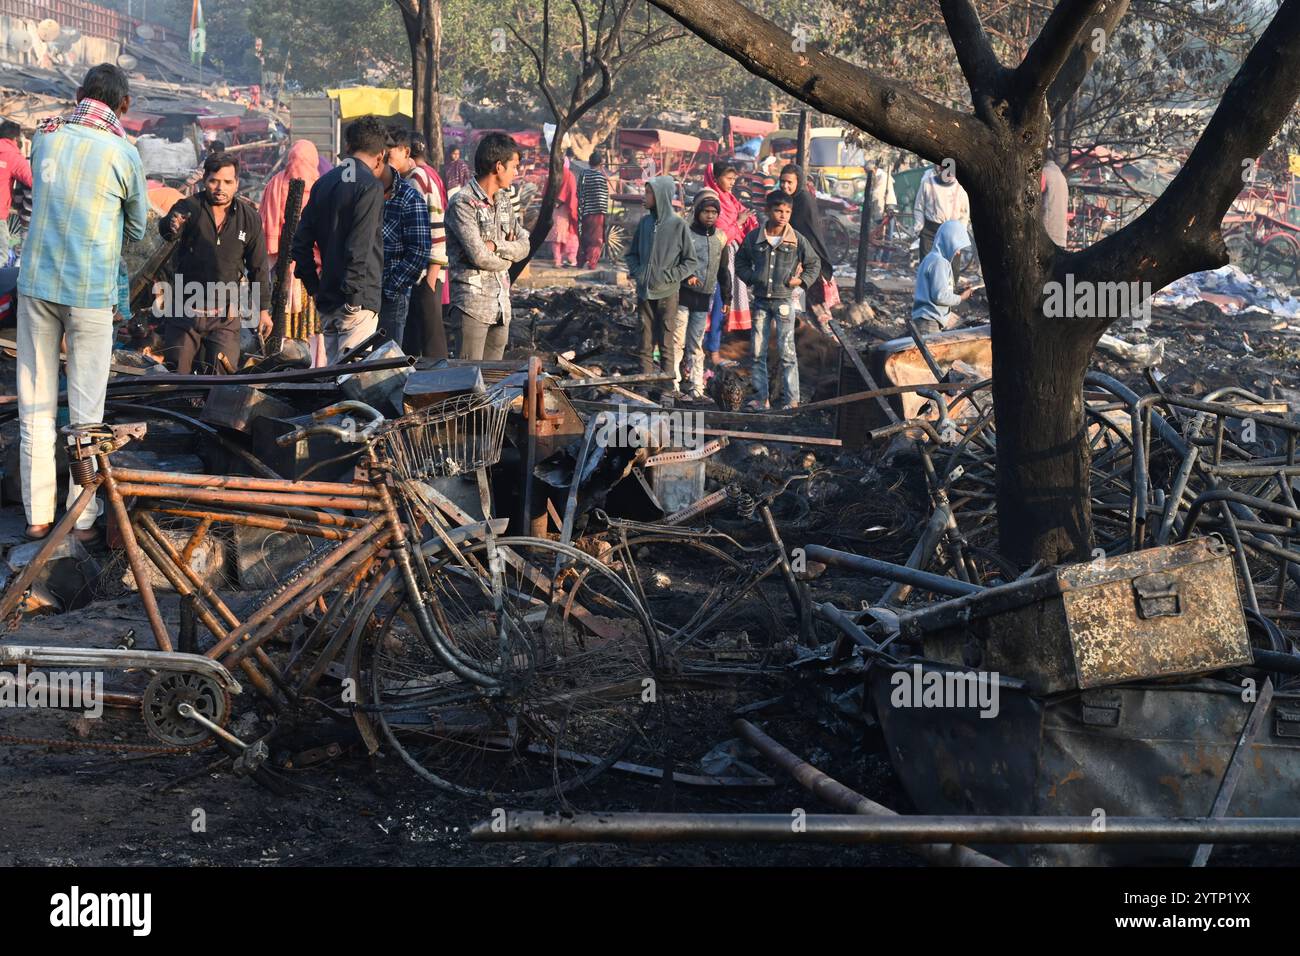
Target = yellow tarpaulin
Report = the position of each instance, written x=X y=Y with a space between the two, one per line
x=1293 y=159
x=357 y=101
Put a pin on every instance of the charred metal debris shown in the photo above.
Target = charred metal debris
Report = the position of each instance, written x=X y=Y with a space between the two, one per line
x=521 y=575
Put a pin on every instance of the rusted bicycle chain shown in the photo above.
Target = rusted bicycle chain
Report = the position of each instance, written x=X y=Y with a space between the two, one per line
x=22 y=741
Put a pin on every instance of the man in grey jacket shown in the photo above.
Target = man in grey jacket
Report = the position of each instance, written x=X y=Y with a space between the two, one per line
x=484 y=238
x=660 y=256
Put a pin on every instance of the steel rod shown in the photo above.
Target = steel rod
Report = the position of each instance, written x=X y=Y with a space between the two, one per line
x=893 y=572
x=830 y=790
x=538 y=827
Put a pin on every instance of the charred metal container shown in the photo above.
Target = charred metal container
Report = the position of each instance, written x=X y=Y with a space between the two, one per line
x=237 y=406
x=1164 y=612
x=1140 y=750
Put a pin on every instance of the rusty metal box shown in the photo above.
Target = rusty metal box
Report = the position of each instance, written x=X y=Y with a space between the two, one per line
x=1163 y=612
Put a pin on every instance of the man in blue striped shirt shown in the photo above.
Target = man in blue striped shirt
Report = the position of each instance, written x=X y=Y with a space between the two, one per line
x=89 y=192
x=408 y=240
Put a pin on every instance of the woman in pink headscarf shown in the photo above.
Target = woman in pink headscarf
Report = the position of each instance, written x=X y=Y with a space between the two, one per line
x=303 y=162
x=735 y=222
x=564 y=235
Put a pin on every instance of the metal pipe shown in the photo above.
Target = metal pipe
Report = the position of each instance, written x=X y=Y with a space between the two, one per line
x=921 y=555
x=797 y=598
x=893 y=572
x=134 y=556
x=240 y=483
x=217 y=496
x=537 y=827
x=637 y=379
x=269 y=523
x=16 y=588
x=836 y=794
x=264 y=613
x=833 y=615
x=187 y=382
x=1176 y=495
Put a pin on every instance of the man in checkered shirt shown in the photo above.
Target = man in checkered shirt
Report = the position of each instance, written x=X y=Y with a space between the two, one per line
x=408 y=240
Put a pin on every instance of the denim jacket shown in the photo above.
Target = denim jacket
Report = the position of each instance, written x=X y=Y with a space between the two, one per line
x=766 y=269
x=480 y=278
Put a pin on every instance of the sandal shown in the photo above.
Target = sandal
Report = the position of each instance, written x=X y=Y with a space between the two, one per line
x=754 y=405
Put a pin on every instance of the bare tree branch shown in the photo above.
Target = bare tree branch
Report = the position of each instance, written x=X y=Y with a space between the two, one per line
x=979 y=64
x=651 y=40
x=882 y=107
x=1049 y=52
x=540 y=60
x=582 y=22
x=1069 y=75
x=1184 y=221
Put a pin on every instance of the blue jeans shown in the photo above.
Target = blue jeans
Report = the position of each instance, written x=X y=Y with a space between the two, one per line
x=770 y=311
x=695 y=323
x=713 y=337
x=392 y=315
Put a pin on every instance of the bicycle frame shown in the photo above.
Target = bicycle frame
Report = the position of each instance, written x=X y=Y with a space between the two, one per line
x=292 y=506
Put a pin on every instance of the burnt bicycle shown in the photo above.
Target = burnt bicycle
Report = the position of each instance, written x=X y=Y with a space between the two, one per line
x=490 y=664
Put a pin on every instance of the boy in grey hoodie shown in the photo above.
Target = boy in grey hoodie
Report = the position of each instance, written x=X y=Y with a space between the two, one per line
x=660 y=256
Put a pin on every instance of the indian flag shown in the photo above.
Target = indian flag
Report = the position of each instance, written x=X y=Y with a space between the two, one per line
x=198 y=33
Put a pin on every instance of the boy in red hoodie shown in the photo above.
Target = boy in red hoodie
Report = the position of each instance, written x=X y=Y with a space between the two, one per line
x=13 y=166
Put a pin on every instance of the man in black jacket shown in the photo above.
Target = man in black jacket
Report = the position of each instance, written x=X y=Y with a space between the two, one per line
x=221 y=273
x=343 y=219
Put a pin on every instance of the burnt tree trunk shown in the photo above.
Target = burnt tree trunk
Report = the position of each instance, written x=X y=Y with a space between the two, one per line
x=422 y=20
x=433 y=127
x=1044 y=504
x=546 y=209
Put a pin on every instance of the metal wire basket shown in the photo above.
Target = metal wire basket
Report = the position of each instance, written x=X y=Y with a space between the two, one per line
x=450 y=438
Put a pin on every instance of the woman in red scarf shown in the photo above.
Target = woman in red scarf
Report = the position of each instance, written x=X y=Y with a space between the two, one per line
x=564 y=237
x=301 y=320
x=735 y=222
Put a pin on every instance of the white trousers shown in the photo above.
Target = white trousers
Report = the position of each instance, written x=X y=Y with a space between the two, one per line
x=42 y=327
x=343 y=330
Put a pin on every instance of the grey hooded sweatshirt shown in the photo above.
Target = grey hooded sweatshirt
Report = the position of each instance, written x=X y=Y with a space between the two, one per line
x=661 y=254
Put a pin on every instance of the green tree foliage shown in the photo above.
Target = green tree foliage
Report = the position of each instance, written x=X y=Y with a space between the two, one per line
x=327 y=42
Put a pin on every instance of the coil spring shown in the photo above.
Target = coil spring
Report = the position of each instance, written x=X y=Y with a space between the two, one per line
x=745 y=504
x=82 y=469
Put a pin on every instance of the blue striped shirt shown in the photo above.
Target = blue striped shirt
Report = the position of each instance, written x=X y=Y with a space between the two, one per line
x=89 y=190
x=408 y=237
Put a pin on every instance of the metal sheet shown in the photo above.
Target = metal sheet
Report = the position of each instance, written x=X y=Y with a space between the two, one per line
x=1137 y=750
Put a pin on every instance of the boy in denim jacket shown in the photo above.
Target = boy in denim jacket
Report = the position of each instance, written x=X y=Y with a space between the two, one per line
x=772 y=261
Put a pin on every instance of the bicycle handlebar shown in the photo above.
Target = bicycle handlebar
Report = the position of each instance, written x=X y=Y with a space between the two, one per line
x=347 y=432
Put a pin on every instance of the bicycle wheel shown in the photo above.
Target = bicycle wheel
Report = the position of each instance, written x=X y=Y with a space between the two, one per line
x=573 y=656
x=1241 y=249
x=615 y=241
x=681 y=582
x=1279 y=258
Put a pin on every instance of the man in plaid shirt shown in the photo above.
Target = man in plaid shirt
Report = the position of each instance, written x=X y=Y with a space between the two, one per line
x=408 y=241
x=89 y=192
